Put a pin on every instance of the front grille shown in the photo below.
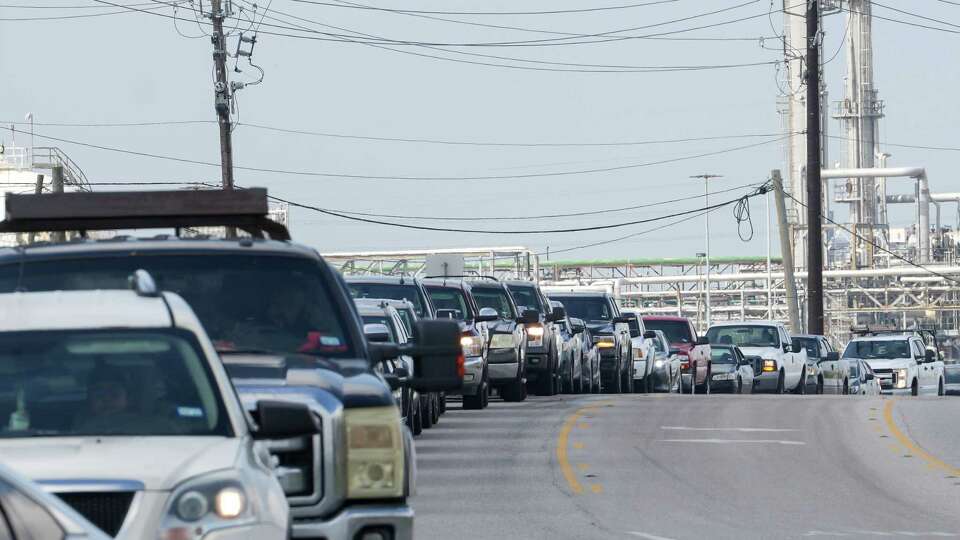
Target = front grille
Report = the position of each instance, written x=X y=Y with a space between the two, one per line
x=106 y=510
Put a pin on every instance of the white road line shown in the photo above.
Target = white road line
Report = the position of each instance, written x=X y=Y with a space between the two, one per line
x=647 y=535
x=737 y=429
x=735 y=441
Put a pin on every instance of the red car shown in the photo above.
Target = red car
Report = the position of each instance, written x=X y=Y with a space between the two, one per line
x=693 y=350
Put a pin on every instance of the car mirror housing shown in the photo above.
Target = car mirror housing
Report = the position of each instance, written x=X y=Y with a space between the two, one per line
x=487 y=314
x=447 y=313
x=621 y=320
x=558 y=314
x=796 y=347
x=283 y=420
x=376 y=333
x=929 y=356
x=703 y=340
x=833 y=356
x=438 y=356
x=529 y=316
x=649 y=334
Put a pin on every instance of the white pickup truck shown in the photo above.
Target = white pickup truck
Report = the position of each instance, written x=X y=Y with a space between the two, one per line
x=902 y=362
x=780 y=366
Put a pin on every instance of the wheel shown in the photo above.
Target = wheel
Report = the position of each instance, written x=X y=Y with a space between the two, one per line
x=915 y=388
x=739 y=385
x=820 y=385
x=417 y=427
x=802 y=388
x=426 y=412
x=513 y=392
x=627 y=383
x=846 y=387
x=476 y=401
x=648 y=384
x=706 y=384
x=578 y=382
x=940 y=389
x=485 y=395
x=780 y=384
x=435 y=399
x=567 y=383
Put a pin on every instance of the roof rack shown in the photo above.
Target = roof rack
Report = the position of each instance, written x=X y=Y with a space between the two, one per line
x=462 y=276
x=245 y=209
x=929 y=335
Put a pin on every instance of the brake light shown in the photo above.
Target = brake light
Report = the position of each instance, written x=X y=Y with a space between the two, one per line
x=461 y=370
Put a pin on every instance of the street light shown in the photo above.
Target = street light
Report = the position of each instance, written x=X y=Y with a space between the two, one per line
x=706 y=216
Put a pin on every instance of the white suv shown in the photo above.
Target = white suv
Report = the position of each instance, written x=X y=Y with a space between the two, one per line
x=116 y=402
x=901 y=362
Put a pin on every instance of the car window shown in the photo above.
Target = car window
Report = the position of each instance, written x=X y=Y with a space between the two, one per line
x=722 y=355
x=675 y=331
x=448 y=298
x=116 y=382
x=526 y=297
x=745 y=336
x=878 y=349
x=588 y=308
x=407 y=317
x=244 y=302
x=390 y=291
x=918 y=349
x=496 y=299
x=25 y=518
x=812 y=345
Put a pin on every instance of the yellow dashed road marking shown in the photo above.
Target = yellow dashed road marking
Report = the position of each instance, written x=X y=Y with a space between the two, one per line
x=911 y=446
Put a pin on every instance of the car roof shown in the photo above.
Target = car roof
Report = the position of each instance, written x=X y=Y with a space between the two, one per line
x=485 y=284
x=379 y=302
x=154 y=243
x=450 y=283
x=370 y=308
x=83 y=310
x=580 y=294
x=665 y=318
x=809 y=336
x=392 y=280
x=885 y=337
x=518 y=282
x=746 y=323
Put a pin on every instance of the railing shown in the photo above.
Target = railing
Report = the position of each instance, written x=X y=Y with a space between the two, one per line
x=47 y=157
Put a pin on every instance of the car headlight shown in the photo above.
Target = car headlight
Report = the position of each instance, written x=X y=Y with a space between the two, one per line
x=658 y=364
x=207 y=503
x=769 y=366
x=535 y=335
x=471 y=346
x=501 y=341
x=811 y=370
x=901 y=377
x=638 y=354
x=606 y=342
x=375 y=466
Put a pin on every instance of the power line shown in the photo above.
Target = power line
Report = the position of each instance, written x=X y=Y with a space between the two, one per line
x=900 y=21
x=626 y=237
x=128 y=8
x=759 y=191
x=912 y=14
x=498 y=13
x=379 y=177
x=896 y=145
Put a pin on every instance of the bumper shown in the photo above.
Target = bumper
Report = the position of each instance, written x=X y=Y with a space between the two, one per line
x=472 y=375
x=352 y=520
x=503 y=372
x=766 y=381
x=723 y=384
x=537 y=363
x=896 y=391
x=243 y=533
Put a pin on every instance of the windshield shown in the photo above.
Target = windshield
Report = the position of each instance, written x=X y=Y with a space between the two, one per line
x=452 y=299
x=496 y=299
x=390 y=291
x=244 y=302
x=526 y=297
x=878 y=350
x=722 y=355
x=744 y=336
x=117 y=382
x=588 y=308
x=676 y=331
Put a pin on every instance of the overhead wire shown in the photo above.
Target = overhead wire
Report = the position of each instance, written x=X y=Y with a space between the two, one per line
x=347 y=176
x=127 y=8
x=496 y=13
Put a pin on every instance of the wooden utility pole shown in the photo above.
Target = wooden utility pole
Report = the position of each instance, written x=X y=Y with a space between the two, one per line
x=56 y=186
x=786 y=248
x=814 y=186
x=222 y=92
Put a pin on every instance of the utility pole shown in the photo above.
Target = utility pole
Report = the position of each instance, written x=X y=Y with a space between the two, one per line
x=814 y=185
x=706 y=215
x=56 y=186
x=786 y=248
x=222 y=92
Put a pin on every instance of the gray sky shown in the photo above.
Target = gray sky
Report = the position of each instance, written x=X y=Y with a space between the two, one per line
x=135 y=67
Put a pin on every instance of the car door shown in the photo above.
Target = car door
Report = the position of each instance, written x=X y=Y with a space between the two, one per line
x=925 y=369
x=793 y=368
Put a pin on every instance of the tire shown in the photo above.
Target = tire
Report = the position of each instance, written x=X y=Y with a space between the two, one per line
x=739 y=385
x=485 y=395
x=627 y=382
x=442 y=399
x=915 y=388
x=426 y=412
x=435 y=399
x=567 y=383
x=513 y=392
x=940 y=389
x=820 y=386
x=707 y=384
x=780 y=384
x=846 y=387
x=802 y=387
x=476 y=401
x=417 y=419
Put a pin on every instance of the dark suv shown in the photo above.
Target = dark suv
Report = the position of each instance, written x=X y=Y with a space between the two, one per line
x=393 y=288
x=453 y=299
x=611 y=333
x=543 y=354
x=282 y=321
x=507 y=344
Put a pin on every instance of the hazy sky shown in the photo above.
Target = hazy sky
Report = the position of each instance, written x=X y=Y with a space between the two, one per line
x=135 y=67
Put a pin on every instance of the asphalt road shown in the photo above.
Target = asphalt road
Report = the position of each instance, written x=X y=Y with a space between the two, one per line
x=678 y=467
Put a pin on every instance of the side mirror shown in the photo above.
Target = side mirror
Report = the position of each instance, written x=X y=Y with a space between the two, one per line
x=448 y=313
x=649 y=334
x=529 y=316
x=487 y=314
x=621 y=320
x=796 y=347
x=703 y=340
x=577 y=326
x=376 y=333
x=283 y=420
x=930 y=356
x=558 y=314
x=869 y=377
x=833 y=356
x=438 y=356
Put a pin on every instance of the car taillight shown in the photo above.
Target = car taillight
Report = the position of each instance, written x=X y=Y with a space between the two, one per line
x=461 y=371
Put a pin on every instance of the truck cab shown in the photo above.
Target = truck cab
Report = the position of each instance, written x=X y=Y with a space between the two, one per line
x=693 y=350
x=280 y=318
x=901 y=361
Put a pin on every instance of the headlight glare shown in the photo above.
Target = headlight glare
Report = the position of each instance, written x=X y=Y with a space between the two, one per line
x=208 y=503
x=471 y=346
x=229 y=503
x=606 y=342
x=901 y=378
x=769 y=366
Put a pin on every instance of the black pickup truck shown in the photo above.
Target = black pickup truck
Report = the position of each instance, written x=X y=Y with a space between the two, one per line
x=283 y=323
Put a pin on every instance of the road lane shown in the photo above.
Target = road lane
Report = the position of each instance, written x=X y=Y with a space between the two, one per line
x=667 y=466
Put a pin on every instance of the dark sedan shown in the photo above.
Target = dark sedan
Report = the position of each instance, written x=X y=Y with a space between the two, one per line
x=732 y=372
